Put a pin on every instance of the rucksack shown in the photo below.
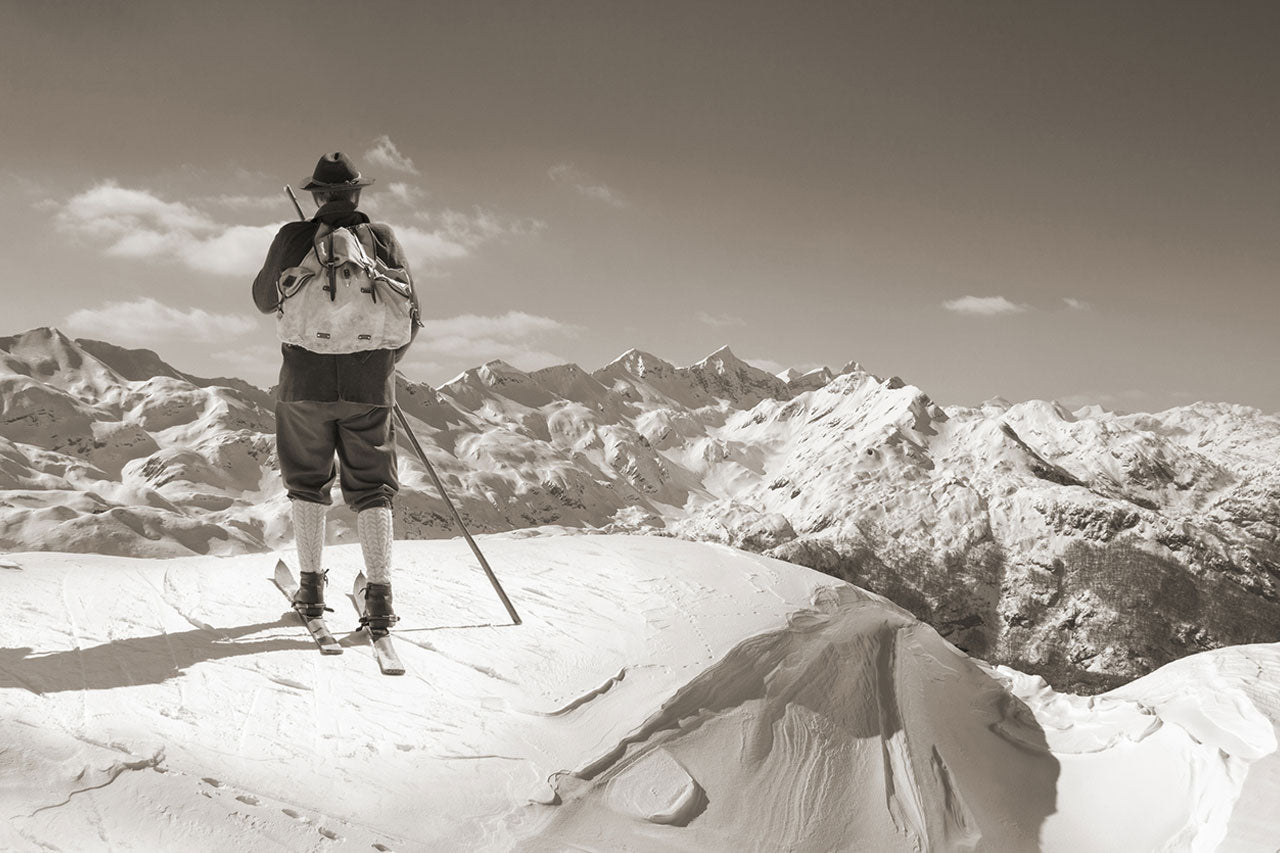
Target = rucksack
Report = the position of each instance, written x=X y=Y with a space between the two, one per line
x=343 y=298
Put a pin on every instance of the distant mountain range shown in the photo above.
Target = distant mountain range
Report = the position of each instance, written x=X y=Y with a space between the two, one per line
x=1087 y=546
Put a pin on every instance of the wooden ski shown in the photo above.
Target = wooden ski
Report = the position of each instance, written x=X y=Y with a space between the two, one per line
x=383 y=649
x=319 y=631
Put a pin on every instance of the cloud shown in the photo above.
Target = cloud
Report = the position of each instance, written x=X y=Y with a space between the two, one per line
x=425 y=247
x=110 y=210
x=469 y=340
x=516 y=324
x=567 y=173
x=138 y=224
x=34 y=191
x=406 y=193
x=248 y=202
x=1077 y=304
x=985 y=306
x=145 y=320
x=719 y=320
x=453 y=234
x=385 y=153
x=135 y=223
x=235 y=251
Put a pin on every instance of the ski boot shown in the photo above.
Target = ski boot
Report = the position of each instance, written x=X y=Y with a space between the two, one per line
x=309 y=600
x=378 y=615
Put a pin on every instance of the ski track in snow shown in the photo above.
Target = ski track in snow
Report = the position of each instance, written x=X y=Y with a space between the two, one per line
x=112 y=774
x=170 y=594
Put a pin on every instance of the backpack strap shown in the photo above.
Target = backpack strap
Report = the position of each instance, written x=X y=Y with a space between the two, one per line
x=322 y=249
x=322 y=245
x=400 y=284
x=367 y=239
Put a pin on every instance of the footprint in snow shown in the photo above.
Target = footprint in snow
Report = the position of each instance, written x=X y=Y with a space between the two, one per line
x=293 y=814
x=209 y=780
x=249 y=799
x=330 y=834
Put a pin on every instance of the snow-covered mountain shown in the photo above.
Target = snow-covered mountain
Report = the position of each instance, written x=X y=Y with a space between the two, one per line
x=659 y=695
x=1090 y=547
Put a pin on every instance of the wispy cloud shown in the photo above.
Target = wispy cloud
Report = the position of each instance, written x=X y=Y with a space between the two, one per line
x=427 y=247
x=567 y=173
x=512 y=324
x=983 y=306
x=34 y=191
x=385 y=153
x=1077 y=304
x=135 y=223
x=453 y=234
x=719 y=321
x=146 y=320
x=406 y=193
x=468 y=340
x=276 y=202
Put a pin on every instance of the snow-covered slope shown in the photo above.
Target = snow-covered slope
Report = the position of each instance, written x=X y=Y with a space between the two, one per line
x=659 y=695
x=91 y=460
x=1027 y=534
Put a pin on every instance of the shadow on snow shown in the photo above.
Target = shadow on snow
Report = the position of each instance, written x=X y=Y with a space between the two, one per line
x=132 y=661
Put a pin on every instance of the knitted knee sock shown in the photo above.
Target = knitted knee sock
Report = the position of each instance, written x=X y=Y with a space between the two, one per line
x=308 y=532
x=374 y=527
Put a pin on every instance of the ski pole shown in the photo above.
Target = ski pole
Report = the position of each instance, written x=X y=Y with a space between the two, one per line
x=293 y=198
x=475 y=549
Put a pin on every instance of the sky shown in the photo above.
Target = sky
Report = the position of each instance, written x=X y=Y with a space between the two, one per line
x=1076 y=201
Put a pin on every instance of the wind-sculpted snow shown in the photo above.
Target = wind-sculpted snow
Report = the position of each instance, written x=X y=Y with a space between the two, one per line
x=659 y=695
x=1090 y=547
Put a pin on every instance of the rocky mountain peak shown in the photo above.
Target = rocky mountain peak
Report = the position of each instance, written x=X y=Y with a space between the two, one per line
x=640 y=364
x=571 y=382
x=810 y=380
x=724 y=376
x=722 y=360
x=499 y=372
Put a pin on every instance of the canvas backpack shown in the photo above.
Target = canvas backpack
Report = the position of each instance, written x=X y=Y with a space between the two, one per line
x=343 y=298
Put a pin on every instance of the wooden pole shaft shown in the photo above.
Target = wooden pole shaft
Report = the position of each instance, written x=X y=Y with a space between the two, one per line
x=475 y=549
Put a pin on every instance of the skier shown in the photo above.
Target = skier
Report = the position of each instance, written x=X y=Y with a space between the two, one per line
x=331 y=400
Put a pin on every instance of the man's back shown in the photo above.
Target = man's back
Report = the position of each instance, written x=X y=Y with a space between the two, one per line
x=362 y=377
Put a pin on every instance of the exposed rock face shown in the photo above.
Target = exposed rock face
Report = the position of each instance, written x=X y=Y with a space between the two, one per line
x=1090 y=547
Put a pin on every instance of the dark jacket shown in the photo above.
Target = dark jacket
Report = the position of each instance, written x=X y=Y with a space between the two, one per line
x=358 y=377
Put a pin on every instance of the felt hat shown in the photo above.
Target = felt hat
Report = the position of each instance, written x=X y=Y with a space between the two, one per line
x=335 y=172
